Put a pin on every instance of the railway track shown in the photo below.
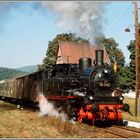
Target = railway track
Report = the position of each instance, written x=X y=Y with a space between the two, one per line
x=123 y=132
x=111 y=133
x=128 y=128
x=94 y=132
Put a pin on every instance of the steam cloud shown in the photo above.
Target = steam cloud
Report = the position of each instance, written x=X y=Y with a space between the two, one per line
x=47 y=108
x=84 y=18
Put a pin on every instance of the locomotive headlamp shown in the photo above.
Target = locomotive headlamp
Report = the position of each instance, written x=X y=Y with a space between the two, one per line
x=121 y=98
x=100 y=75
x=105 y=71
x=90 y=98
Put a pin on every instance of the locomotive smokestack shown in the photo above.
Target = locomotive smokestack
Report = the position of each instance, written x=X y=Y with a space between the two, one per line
x=99 y=54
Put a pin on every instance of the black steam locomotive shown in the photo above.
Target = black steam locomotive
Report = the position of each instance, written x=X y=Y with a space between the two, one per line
x=85 y=91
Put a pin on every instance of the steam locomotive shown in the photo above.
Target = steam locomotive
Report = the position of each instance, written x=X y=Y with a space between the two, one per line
x=86 y=92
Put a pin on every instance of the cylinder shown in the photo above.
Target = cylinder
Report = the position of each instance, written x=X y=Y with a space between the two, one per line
x=99 y=54
x=84 y=63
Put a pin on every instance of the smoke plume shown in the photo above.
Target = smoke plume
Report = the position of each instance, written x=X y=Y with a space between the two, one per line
x=47 y=108
x=84 y=18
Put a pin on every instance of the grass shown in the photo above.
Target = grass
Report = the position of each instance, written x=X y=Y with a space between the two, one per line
x=25 y=123
x=22 y=123
x=126 y=115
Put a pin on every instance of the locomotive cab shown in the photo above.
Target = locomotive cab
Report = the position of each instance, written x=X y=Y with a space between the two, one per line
x=62 y=79
x=64 y=70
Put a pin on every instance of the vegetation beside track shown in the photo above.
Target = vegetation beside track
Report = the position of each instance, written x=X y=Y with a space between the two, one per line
x=126 y=115
x=25 y=123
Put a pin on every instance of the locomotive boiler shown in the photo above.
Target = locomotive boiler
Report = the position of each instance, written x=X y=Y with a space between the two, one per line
x=85 y=91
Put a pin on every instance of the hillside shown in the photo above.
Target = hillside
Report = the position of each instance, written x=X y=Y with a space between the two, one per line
x=6 y=73
x=28 y=69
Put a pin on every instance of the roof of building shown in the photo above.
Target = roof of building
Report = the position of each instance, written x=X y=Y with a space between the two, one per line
x=70 y=52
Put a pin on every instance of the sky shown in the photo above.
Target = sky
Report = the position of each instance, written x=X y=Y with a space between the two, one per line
x=27 y=27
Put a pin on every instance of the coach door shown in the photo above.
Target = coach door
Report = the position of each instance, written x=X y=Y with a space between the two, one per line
x=19 y=88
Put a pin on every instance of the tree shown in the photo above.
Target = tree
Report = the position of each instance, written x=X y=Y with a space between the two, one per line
x=132 y=72
x=50 y=58
x=132 y=68
x=125 y=80
x=115 y=54
x=6 y=73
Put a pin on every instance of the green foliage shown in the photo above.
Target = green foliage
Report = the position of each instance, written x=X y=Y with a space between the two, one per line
x=53 y=45
x=125 y=79
x=131 y=72
x=132 y=69
x=115 y=54
x=6 y=73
